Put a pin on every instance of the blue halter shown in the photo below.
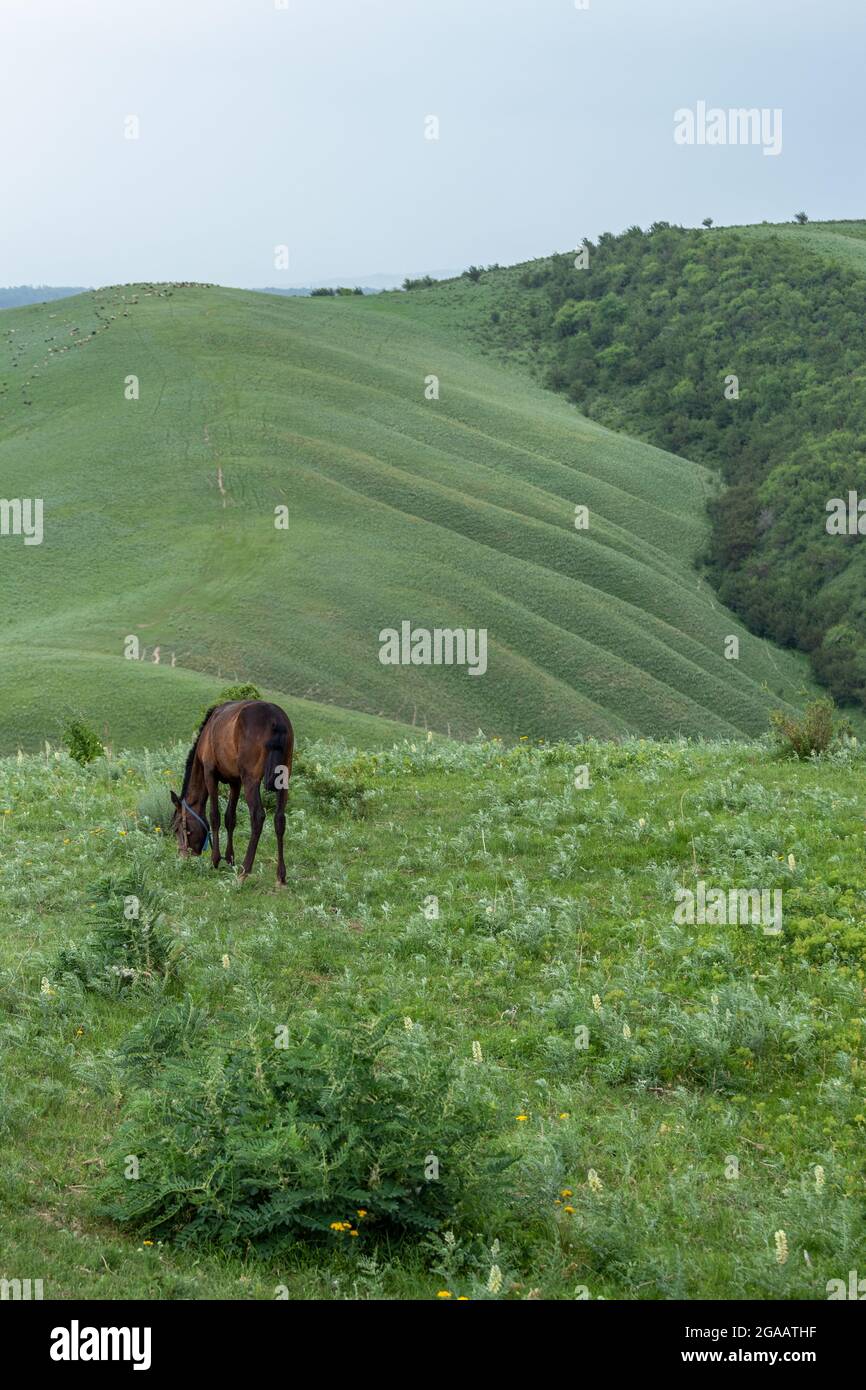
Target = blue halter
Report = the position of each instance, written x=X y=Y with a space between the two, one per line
x=201 y=822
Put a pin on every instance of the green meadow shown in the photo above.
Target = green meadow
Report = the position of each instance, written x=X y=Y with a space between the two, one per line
x=619 y=1106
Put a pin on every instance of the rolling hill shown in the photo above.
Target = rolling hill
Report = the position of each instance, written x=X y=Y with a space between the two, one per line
x=159 y=523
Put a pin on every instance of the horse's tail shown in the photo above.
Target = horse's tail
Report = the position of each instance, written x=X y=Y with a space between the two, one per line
x=279 y=756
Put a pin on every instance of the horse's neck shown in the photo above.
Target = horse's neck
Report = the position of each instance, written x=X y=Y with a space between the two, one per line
x=196 y=792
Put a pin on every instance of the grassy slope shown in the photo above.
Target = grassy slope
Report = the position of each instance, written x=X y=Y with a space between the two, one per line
x=739 y=1044
x=450 y=513
x=844 y=242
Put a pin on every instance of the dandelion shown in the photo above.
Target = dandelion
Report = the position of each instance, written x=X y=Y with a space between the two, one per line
x=444 y=1293
x=494 y=1279
x=565 y=1115
x=362 y=1212
x=594 y=1180
x=566 y=1192
x=781 y=1247
x=819 y=1177
x=569 y=1211
x=522 y=1118
x=476 y=1052
x=147 y=1242
x=596 y=1004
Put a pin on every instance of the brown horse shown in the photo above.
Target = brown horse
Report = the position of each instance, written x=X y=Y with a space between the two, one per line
x=239 y=743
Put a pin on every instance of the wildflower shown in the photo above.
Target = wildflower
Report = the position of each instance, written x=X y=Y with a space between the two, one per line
x=641 y=823
x=408 y=1024
x=792 y=863
x=79 y=1033
x=353 y=1232
x=565 y=1115
x=361 y=1213
x=476 y=1052
x=462 y=1298
x=494 y=1279
x=566 y=1192
x=147 y=1242
x=444 y=1293
x=781 y=1247
x=226 y=962
x=819 y=1177
x=594 y=1180
x=522 y=1118
x=596 y=1004
x=569 y=1211
x=626 y=1031
x=121 y=832
x=46 y=987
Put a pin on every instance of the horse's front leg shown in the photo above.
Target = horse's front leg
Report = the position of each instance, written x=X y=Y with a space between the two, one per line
x=253 y=798
x=213 y=790
x=231 y=821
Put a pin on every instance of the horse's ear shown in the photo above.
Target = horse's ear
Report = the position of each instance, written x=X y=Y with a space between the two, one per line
x=176 y=799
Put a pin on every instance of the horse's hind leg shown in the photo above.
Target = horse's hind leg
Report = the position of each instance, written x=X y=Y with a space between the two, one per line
x=231 y=820
x=213 y=791
x=257 y=819
x=280 y=828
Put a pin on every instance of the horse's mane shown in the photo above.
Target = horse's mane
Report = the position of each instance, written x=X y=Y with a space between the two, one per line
x=190 y=757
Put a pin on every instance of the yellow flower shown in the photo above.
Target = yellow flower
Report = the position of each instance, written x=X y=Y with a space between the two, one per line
x=353 y=1233
x=444 y=1293
x=566 y=1192
x=521 y=1118
x=569 y=1210
x=565 y=1115
x=462 y=1298
x=147 y=1242
x=361 y=1213
x=336 y=1225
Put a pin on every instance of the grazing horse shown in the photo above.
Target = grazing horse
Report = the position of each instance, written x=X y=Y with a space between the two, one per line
x=239 y=743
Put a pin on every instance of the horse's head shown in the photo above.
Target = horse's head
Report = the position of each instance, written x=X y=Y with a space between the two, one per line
x=189 y=828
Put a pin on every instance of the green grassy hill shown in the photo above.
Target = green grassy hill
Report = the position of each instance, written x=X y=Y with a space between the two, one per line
x=714 y=1099
x=741 y=348
x=457 y=512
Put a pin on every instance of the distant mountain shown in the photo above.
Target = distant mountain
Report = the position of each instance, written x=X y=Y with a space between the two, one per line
x=15 y=295
x=370 y=284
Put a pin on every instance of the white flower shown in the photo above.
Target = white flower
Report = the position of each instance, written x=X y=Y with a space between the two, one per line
x=476 y=1052
x=594 y=1180
x=781 y=1247
x=792 y=863
x=596 y=1004
x=626 y=1031
x=494 y=1279
x=819 y=1177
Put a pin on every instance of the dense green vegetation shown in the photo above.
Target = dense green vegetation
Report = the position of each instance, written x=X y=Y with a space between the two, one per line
x=648 y=338
x=282 y=1066
x=159 y=524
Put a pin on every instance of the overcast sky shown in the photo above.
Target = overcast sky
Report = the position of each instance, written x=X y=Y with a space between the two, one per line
x=304 y=126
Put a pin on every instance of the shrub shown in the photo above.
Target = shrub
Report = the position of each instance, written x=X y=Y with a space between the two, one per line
x=230 y=692
x=130 y=943
x=82 y=743
x=342 y=787
x=154 y=808
x=814 y=733
x=276 y=1139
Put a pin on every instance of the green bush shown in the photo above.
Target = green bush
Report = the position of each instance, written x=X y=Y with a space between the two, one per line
x=129 y=944
x=230 y=692
x=154 y=809
x=342 y=787
x=814 y=733
x=296 y=1133
x=82 y=743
